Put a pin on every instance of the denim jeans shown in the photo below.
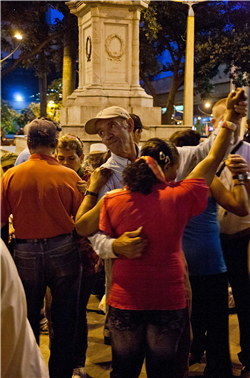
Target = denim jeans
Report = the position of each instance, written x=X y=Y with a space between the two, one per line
x=52 y=262
x=154 y=335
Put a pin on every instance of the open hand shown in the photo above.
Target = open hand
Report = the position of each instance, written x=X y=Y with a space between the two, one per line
x=130 y=244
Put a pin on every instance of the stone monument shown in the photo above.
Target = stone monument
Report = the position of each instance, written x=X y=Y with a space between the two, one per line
x=108 y=64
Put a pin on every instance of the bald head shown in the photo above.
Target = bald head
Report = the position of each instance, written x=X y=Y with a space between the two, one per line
x=218 y=111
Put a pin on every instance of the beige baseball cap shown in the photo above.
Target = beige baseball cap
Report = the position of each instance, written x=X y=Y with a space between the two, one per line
x=111 y=112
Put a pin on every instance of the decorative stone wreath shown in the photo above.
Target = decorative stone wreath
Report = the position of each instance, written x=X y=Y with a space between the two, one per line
x=88 y=48
x=113 y=55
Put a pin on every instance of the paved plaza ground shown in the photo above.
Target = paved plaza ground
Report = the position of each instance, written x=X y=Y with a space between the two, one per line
x=98 y=362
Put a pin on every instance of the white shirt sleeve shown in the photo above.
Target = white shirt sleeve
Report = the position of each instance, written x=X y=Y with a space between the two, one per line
x=102 y=245
x=190 y=156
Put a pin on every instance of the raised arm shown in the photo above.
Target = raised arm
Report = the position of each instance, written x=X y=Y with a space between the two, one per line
x=87 y=217
x=235 y=201
x=207 y=168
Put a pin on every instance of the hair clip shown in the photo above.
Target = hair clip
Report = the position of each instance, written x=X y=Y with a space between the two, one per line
x=162 y=156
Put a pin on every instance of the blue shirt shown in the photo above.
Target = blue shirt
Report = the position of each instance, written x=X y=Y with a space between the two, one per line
x=201 y=243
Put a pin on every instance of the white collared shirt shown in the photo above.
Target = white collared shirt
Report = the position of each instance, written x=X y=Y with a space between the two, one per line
x=101 y=243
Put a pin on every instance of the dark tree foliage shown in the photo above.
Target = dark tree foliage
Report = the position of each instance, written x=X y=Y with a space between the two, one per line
x=221 y=36
x=42 y=44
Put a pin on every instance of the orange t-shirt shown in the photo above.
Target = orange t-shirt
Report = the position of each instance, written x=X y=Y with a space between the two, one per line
x=42 y=196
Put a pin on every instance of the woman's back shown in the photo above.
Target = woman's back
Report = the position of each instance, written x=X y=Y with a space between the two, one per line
x=156 y=279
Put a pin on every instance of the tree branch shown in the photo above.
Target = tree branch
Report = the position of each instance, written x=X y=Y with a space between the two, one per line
x=33 y=52
x=150 y=88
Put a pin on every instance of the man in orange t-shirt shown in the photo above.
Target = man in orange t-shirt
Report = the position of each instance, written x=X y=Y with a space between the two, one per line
x=43 y=197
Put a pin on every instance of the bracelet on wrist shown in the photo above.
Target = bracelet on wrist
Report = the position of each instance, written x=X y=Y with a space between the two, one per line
x=229 y=125
x=239 y=183
x=89 y=193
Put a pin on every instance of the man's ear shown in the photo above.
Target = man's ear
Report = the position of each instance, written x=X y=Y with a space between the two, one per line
x=213 y=121
x=130 y=123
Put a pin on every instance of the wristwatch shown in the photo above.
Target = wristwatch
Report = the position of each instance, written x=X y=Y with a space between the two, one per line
x=239 y=176
x=88 y=193
x=247 y=176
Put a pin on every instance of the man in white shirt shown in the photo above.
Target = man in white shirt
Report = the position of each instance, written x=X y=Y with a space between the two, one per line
x=123 y=152
x=115 y=127
x=235 y=236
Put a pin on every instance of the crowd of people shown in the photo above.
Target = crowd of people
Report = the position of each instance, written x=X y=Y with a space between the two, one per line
x=150 y=215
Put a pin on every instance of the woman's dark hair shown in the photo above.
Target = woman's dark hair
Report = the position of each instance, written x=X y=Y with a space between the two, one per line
x=138 y=177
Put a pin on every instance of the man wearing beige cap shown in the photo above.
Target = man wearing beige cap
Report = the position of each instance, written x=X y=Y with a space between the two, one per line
x=115 y=127
x=96 y=152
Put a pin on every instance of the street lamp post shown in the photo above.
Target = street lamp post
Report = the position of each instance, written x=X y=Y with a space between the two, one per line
x=189 y=65
x=19 y=37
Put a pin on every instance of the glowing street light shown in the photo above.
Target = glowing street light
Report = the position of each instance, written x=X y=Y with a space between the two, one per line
x=188 y=117
x=19 y=37
x=18 y=98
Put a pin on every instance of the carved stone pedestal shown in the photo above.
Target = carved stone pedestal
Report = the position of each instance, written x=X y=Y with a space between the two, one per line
x=108 y=64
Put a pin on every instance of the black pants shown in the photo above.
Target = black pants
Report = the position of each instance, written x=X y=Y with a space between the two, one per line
x=210 y=314
x=81 y=338
x=236 y=257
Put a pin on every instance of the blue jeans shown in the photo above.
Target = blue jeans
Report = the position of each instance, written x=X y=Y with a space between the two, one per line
x=52 y=262
x=155 y=335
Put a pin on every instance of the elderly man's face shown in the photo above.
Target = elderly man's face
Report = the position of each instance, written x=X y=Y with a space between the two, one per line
x=94 y=160
x=114 y=133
